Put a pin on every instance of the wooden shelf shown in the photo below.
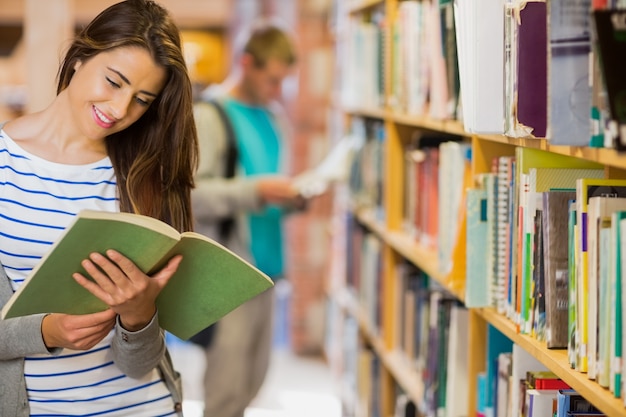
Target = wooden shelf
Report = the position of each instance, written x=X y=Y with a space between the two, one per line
x=554 y=359
x=372 y=112
x=604 y=156
x=452 y=127
x=399 y=246
x=395 y=362
x=424 y=258
x=557 y=361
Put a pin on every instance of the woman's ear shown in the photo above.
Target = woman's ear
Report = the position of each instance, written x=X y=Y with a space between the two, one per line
x=77 y=65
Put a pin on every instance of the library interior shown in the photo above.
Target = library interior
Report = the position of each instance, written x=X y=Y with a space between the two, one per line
x=463 y=170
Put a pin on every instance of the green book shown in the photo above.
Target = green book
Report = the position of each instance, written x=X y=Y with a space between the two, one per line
x=616 y=312
x=210 y=281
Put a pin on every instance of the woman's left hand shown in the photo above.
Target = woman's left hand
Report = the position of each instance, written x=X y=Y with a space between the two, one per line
x=125 y=288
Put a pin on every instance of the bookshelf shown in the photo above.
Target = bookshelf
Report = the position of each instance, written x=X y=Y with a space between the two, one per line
x=399 y=246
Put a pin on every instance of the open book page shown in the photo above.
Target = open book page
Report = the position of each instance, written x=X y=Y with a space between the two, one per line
x=335 y=167
x=210 y=281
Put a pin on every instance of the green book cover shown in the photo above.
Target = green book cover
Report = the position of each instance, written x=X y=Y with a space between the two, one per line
x=616 y=314
x=530 y=161
x=572 y=343
x=477 y=286
x=210 y=281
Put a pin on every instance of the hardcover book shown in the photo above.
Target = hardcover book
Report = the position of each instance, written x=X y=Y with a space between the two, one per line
x=477 y=286
x=599 y=209
x=616 y=311
x=569 y=93
x=587 y=188
x=555 y=209
x=610 y=38
x=532 y=67
x=210 y=281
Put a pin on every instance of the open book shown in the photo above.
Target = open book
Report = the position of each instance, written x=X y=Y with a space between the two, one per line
x=210 y=281
x=335 y=167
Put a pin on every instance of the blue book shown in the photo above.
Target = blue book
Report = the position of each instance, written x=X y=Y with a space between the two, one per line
x=477 y=285
x=497 y=343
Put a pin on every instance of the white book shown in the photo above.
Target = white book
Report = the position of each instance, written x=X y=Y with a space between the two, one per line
x=458 y=355
x=480 y=45
x=522 y=363
x=540 y=402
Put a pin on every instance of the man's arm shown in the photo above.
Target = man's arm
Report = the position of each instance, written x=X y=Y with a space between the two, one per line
x=216 y=197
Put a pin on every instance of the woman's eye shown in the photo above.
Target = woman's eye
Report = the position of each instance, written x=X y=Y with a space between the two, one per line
x=113 y=83
x=141 y=102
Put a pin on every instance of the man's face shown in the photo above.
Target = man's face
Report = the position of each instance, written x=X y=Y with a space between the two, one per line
x=264 y=84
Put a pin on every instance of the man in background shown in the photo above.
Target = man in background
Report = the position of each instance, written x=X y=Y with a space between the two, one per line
x=241 y=197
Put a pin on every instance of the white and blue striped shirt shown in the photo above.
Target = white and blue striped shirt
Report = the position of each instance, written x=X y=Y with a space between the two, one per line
x=38 y=199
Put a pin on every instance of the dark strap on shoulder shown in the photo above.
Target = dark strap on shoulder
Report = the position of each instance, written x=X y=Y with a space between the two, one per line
x=232 y=152
x=226 y=225
x=205 y=337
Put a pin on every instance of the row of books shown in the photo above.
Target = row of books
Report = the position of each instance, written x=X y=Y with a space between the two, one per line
x=364 y=272
x=362 y=77
x=553 y=260
x=495 y=67
x=433 y=338
x=557 y=280
x=517 y=385
x=423 y=77
x=437 y=173
x=562 y=64
x=366 y=177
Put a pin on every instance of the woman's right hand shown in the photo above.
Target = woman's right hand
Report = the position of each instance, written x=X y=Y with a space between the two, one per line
x=77 y=332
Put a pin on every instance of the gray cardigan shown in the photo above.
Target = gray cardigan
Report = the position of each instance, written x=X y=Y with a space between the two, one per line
x=135 y=353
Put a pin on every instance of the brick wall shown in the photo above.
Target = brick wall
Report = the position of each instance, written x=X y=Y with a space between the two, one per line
x=308 y=234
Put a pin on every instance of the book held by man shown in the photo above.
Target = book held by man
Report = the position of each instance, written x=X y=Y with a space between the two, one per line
x=210 y=281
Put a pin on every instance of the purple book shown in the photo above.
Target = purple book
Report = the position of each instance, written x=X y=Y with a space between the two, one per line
x=532 y=75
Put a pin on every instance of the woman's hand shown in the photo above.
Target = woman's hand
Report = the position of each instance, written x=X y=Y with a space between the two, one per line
x=125 y=288
x=76 y=332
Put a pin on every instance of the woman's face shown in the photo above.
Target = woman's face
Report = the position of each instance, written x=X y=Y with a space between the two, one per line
x=113 y=89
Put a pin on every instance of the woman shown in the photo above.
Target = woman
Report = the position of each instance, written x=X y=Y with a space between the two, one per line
x=118 y=136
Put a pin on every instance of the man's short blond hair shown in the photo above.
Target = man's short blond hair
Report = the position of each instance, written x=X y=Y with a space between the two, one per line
x=269 y=41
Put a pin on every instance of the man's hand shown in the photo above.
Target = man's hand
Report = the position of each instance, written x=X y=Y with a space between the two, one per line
x=279 y=190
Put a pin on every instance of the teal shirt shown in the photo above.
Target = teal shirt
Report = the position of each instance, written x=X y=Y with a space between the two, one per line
x=260 y=153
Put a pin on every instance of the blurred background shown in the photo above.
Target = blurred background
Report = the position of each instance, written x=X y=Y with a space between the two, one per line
x=33 y=34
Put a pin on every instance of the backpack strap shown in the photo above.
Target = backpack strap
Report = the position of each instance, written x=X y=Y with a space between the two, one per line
x=205 y=336
x=226 y=225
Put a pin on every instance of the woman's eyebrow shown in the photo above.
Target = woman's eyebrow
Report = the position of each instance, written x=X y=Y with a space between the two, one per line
x=126 y=80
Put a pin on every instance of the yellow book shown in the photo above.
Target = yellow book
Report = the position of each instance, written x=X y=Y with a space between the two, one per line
x=585 y=189
x=210 y=281
x=536 y=171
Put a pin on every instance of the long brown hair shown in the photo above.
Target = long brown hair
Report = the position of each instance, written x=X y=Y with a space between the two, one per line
x=155 y=158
